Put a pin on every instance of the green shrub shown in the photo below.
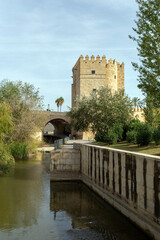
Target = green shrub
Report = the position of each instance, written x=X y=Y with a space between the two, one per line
x=19 y=150
x=131 y=136
x=144 y=134
x=118 y=129
x=131 y=130
x=6 y=159
x=133 y=125
x=100 y=135
x=111 y=137
x=107 y=136
x=156 y=135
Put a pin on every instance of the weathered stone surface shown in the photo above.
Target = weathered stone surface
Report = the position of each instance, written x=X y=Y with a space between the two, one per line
x=133 y=183
x=128 y=181
x=91 y=74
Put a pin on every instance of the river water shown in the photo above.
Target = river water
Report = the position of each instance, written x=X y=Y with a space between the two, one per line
x=33 y=209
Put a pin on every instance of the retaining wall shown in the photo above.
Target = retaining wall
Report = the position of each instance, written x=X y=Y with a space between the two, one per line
x=130 y=182
x=65 y=165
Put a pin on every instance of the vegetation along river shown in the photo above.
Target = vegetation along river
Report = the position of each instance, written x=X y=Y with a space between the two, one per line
x=33 y=209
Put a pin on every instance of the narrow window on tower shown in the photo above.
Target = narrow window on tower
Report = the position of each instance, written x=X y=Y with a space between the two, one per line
x=93 y=71
x=114 y=76
x=94 y=90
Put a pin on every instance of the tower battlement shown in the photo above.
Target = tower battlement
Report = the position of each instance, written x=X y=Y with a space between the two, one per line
x=91 y=59
x=97 y=59
x=92 y=73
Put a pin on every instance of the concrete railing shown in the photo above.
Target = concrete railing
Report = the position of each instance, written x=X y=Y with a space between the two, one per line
x=128 y=181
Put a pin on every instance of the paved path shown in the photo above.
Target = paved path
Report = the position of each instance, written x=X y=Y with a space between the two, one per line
x=66 y=146
x=69 y=144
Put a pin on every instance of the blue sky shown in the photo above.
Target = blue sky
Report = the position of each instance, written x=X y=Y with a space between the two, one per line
x=40 y=41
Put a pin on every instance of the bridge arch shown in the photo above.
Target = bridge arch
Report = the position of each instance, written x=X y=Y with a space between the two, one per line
x=60 y=123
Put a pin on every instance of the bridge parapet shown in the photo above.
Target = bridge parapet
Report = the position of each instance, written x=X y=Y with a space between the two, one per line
x=50 y=116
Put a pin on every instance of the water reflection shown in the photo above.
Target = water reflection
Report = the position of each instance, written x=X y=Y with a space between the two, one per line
x=91 y=217
x=19 y=205
x=32 y=208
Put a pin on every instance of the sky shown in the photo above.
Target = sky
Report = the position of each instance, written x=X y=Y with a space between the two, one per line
x=41 y=40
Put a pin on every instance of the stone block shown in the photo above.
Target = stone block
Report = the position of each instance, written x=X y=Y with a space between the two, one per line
x=76 y=167
x=150 y=194
x=68 y=167
x=139 y=163
x=150 y=181
x=66 y=154
x=76 y=160
x=140 y=178
x=75 y=154
x=69 y=161
x=150 y=167
x=150 y=207
x=55 y=154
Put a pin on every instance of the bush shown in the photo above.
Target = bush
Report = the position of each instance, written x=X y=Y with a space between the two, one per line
x=131 y=130
x=19 y=150
x=144 y=134
x=131 y=136
x=111 y=137
x=156 y=135
x=134 y=125
x=6 y=159
x=100 y=135
x=118 y=129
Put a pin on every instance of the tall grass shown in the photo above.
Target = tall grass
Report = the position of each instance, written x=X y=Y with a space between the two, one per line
x=19 y=150
x=6 y=159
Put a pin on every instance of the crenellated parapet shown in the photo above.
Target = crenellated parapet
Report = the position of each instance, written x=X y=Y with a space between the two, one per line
x=98 y=59
x=138 y=113
x=94 y=59
x=91 y=59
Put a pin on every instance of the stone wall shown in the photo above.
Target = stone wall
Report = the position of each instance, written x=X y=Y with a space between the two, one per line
x=128 y=181
x=65 y=165
x=91 y=74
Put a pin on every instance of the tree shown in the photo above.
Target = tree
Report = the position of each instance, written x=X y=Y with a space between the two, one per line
x=148 y=41
x=61 y=101
x=25 y=103
x=136 y=101
x=152 y=114
x=101 y=111
x=6 y=128
x=58 y=104
x=6 y=123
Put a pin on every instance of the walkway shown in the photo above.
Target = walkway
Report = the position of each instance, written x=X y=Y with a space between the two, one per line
x=69 y=144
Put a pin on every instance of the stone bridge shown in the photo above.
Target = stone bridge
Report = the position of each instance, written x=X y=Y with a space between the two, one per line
x=58 y=119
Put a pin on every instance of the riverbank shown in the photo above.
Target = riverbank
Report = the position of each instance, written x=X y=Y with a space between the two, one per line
x=44 y=148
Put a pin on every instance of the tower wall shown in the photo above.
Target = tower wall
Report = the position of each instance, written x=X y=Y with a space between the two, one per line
x=90 y=74
x=111 y=75
x=120 y=76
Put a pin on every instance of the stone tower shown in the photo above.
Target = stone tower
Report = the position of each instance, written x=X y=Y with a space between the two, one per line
x=91 y=74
